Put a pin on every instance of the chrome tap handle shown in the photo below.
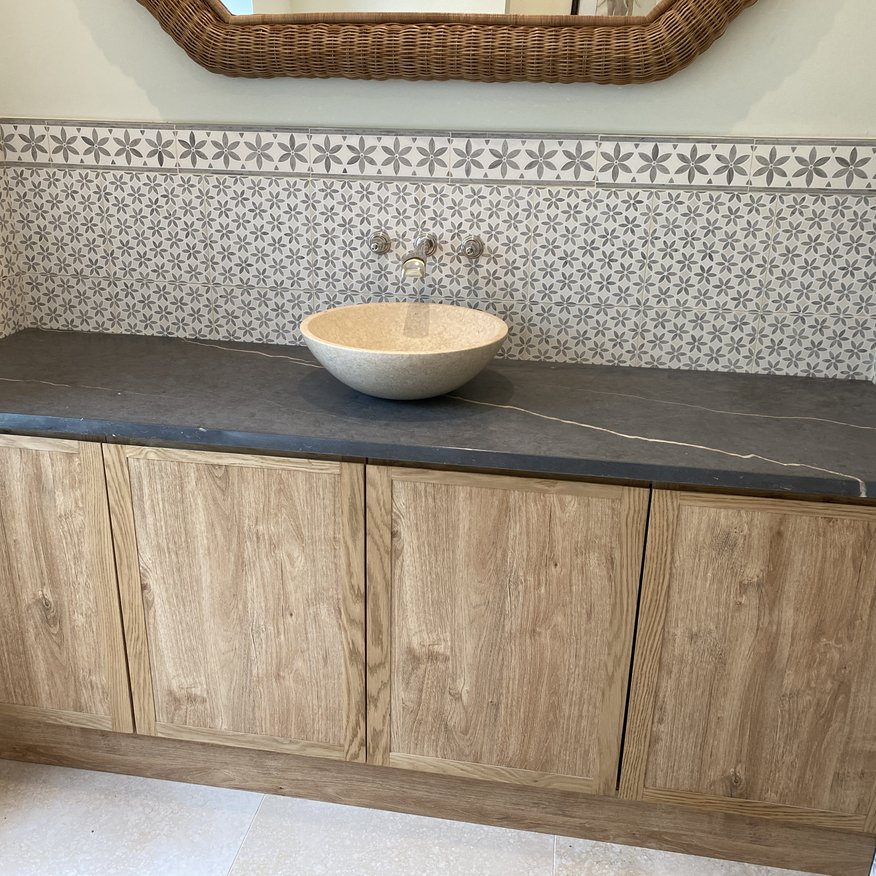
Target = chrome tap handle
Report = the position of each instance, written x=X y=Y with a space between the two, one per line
x=379 y=242
x=471 y=248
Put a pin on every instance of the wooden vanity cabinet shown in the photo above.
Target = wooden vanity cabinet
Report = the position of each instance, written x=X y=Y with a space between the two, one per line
x=500 y=624
x=62 y=657
x=754 y=684
x=242 y=587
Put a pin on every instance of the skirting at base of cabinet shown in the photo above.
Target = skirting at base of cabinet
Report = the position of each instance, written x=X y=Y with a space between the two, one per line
x=651 y=825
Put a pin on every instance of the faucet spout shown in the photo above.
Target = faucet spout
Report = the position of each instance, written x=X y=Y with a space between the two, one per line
x=414 y=263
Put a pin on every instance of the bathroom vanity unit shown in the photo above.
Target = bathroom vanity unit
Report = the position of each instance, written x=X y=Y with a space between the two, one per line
x=637 y=606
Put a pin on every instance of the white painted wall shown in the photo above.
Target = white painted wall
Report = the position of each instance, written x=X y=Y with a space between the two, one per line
x=785 y=68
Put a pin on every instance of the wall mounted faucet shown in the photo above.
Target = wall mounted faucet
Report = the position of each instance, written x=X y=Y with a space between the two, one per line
x=414 y=263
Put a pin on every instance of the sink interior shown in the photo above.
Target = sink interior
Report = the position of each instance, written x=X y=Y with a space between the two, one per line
x=401 y=327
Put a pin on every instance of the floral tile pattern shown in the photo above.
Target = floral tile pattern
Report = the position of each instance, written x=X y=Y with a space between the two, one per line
x=518 y=159
x=629 y=162
x=814 y=166
x=239 y=151
x=736 y=255
x=817 y=346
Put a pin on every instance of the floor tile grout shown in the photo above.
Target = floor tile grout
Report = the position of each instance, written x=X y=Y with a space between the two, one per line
x=246 y=833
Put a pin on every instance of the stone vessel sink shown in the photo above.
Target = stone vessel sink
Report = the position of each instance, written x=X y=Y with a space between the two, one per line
x=403 y=350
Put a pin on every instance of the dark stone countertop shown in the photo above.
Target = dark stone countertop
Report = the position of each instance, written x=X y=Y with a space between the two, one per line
x=732 y=431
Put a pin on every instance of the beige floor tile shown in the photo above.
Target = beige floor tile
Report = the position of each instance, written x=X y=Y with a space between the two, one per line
x=586 y=858
x=300 y=838
x=63 y=822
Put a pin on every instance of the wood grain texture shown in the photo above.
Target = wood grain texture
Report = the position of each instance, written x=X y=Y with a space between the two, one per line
x=61 y=648
x=755 y=668
x=124 y=535
x=711 y=834
x=207 y=457
x=511 y=605
x=378 y=529
x=251 y=600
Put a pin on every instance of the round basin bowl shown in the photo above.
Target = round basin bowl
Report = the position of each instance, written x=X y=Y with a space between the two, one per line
x=404 y=350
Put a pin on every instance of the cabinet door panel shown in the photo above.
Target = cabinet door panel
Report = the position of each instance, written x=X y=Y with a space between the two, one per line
x=61 y=650
x=755 y=670
x=500 y=624
x=246 y=597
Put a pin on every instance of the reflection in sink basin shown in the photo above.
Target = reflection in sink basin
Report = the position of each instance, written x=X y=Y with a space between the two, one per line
x=404 y=350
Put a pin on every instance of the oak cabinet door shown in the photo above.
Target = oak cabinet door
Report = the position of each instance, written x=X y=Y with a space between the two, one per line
x=754 y=684
x=62 y=655
x=500 y=623
x=242 y=582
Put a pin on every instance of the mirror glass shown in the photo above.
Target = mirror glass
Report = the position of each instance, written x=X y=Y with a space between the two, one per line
x=469 y=7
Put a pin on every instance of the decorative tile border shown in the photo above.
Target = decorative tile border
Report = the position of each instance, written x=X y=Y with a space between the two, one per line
x=564 y=159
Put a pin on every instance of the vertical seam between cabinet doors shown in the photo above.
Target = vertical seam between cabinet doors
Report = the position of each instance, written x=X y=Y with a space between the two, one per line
x=130 y=588
x=624 y=726
x=351 y=480
x=378 y=605
x=652 y=617
x=130 y=723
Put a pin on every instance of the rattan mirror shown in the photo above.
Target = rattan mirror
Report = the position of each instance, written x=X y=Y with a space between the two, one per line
x=618 y=49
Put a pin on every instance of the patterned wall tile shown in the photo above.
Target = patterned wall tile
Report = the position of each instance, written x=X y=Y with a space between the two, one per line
x=243 y=151
x=503 y=217
x=666 y=163
x=596 y=334
x=59 y=220
x=824 y=256
x=105 y=146
x=816 y=346
x=343 y=213
x=591 y=246
x=156 y=227
x=813 y=166
x=257 y=230
x=25 y=142
x=259 y=315
x=390 y=155
x=702 y=340
x=536 y=159
x=710 y=250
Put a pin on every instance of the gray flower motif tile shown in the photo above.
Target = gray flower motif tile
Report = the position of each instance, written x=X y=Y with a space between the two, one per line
x=824 y=259
x=381 y=155
x=502 y=216
x=666 y=163
x=590 y=245
x=816 y=346
x=585 y=334
x=156 y=226
x=26 y=142
x=699 y=340
x=523 y=160
x=710 y=250
x=67 y=303
x=171 y=309
x=343 y=213
x=112 y=147
x=237 y=151
x=59 y=220
x=814 y=166
x=259 y=315
x=257 y=230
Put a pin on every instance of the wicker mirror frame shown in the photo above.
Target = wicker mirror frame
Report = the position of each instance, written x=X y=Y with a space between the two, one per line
x=479 y=48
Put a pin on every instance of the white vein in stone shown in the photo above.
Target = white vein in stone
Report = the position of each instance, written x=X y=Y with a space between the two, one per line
x=862 y=486
x=663 y=401
x=251 y=353
x=63 y=385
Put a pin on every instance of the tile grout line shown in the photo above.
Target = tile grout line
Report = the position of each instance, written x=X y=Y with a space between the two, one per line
x=246 y=835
